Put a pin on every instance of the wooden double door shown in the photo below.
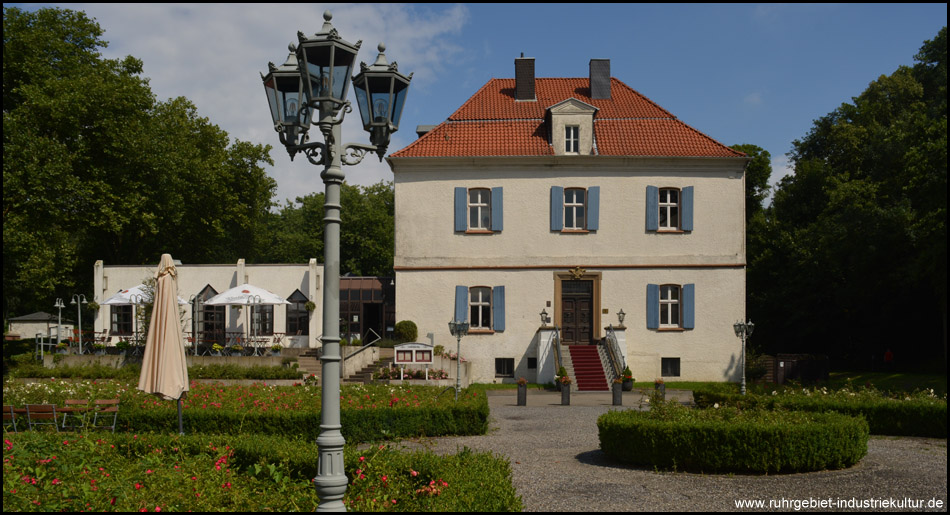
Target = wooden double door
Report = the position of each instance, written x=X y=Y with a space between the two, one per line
x=577 y=312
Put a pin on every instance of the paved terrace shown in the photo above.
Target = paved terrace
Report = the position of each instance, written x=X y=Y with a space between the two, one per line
x=557 y=465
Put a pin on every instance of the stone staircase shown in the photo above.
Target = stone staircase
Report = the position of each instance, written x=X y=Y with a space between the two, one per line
x=309 y=363
x=588 y=368
x=366 y=374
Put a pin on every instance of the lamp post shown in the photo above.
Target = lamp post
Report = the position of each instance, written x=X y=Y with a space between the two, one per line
x=743 y=330
x=314 y=81
x=79 y=299
x=544 y=317
x=59 y=323
x=458 y=330
x=621 y=315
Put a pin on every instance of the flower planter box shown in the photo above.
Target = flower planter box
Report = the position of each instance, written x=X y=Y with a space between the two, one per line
x=566 y=395
x=617 y=392
x=522 y=395
x=628 y=386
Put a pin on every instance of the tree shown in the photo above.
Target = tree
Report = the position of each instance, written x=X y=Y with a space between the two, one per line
x=757 y=174
x=95 y=168
x=367 y=240
x=851 y=255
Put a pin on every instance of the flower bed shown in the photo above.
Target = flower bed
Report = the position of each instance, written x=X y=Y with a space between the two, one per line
x=127 y=472
x=368 y=412
x=729 y=440
x=921 y=413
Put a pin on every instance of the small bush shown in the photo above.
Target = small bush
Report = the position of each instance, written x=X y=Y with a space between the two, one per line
x=730 y=440
x=406 y=331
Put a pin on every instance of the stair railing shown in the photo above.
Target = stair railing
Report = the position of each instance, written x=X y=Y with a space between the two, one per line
x=613 y=352
x=357 y=351
x=556 y=343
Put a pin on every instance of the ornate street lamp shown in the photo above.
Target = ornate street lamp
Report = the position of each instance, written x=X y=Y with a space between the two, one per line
x=458 y=330
x=544 y=316
x=79 y=299
x=310 y=89
x=59 y=324
x=621 y=315
x=743 y=330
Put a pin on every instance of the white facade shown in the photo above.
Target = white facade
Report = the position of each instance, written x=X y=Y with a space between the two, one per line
x=283 y=280
x=620 y=257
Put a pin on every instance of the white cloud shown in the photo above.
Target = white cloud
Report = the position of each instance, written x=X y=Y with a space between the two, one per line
x=753 y=99
x=213 y=54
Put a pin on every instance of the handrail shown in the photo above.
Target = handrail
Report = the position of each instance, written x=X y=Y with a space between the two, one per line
x=556 y=341
x=612 y=352
x=364 y=347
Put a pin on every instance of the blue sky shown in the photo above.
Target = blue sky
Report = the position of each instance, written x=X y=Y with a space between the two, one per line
x=741 y=73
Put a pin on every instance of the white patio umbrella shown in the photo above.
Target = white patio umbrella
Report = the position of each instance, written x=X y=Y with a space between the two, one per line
x=134 y=295
x=246 y=295
x=164 y=370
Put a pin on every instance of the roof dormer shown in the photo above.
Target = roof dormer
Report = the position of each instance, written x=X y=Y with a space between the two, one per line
x=572 y=127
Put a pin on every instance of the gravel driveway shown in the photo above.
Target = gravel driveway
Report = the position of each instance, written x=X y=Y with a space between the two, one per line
x=558 y=466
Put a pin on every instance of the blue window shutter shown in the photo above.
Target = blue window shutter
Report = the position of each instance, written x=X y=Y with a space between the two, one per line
x=687 y=209
x=593 y=208
x=461 y=209
x=653 y=306
x=498 y=308
x=497 y=209
x=653 y=208
x=689 y=306
x=557 y=208
x=461 y=303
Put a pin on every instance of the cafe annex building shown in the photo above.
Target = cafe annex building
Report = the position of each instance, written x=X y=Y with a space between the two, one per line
x=578 y=197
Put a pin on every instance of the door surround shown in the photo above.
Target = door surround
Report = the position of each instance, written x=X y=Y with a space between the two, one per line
x=579 y=274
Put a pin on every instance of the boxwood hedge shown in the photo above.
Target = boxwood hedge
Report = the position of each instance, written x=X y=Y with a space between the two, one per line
x=730 y=440
x=908 y=415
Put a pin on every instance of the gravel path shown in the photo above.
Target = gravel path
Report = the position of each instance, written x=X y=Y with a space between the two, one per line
x=558 y=466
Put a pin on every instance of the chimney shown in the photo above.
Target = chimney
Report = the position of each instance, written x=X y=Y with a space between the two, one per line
x=524 y=78
x=600 y=78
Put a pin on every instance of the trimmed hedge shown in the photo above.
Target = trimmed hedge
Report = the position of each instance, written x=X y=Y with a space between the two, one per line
x=359 y=425
x=729 y=440
x=910 y=416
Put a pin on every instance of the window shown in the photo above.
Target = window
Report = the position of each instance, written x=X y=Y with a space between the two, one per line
x=298 y=318
x=480 y=308
x=263 y=320
x=669 y=209
x=670 y=367
x=479 y=209
x=571 y=139
x=575 y=209
x=504 y=367
x=211 y=319
x=121 y=320
x=532 y=363
x=671 y=306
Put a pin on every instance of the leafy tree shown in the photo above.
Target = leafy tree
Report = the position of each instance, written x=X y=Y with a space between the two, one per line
x=757 y=175
x=95 y=168
x=366 y=236
x=850 y=258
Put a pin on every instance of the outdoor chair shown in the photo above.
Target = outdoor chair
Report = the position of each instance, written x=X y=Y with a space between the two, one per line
x=75 y=410
x=9 y=417
x=106 y=410
x=41 y=415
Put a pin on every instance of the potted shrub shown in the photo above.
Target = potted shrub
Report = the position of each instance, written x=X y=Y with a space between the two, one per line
x=275 y=349
x=659 y=387
x=627 y=379
x=216 y=349
x=99 y=349
x=565 y=383
x=62 y=347
x=311 y=380
x=123 y=346
x=561 y=372
x=237 y=350
x=522 y=391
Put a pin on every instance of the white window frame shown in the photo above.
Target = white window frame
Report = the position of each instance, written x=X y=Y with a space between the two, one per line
x=572 y=139
x=672 y=209
x=671 y=305
x=570 y=224
x=477 y=307
x=481 y=207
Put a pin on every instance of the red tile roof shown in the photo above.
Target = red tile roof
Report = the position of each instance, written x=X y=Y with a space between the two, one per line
x=493 y=123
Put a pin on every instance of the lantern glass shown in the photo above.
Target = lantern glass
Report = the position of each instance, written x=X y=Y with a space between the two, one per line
x=285 y=98
x=400 y=89
x=328 y=69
